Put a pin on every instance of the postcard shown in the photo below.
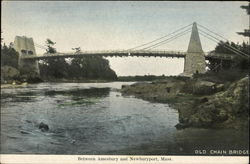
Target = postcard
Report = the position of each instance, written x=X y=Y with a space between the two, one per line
x=125 y=82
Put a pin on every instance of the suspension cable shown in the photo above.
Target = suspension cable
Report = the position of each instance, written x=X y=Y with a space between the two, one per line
x=212 y=31
x=159 y=38
x=223 y=38
x=235 y=49
x=226 y=44
x=168 y=40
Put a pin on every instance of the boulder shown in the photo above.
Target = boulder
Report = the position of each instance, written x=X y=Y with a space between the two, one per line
x=44 y=127
x=204 y=87
x=223 y=108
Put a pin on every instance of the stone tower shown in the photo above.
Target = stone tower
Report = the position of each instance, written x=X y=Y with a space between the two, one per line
x=25 y=47
x=195 y=59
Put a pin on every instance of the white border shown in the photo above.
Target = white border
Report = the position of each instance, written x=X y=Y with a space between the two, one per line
x=74 y=159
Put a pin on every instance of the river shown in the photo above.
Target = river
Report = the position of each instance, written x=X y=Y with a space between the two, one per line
x=95 y=118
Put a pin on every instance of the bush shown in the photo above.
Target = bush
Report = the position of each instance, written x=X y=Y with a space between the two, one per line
x=222 y=76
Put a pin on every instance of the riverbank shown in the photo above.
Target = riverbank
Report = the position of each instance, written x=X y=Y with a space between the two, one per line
x=140 y=78
x=17 y=84
x=78 y=80
x=200 y=102
x=13 y=85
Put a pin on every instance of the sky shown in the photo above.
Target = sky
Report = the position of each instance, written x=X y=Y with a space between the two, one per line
x=112 y=25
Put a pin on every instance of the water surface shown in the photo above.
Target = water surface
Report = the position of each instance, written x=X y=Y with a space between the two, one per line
x=94 y=118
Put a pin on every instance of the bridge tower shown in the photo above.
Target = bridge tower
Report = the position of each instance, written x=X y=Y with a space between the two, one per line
x=25 y=47
x=195 y=58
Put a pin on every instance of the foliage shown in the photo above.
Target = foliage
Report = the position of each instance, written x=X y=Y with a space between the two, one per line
x=220 y=48
x=141 y=78
x=151 y=78
x=77 y=69
x=239 y=62
x=91 y=67
x=87 y=67
x=223 y=76
x=56 y=68
x=50 y=48
x=77 y=49
x=246 y=32
x=9 y=57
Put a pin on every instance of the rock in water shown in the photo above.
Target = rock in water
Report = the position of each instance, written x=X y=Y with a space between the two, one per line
x=24 y=132
x=44 y=127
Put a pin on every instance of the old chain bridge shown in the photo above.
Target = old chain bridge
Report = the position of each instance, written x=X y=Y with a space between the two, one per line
x=194 y=57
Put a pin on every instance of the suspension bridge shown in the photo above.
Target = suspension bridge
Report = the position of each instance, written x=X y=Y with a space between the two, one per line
x=194 y=57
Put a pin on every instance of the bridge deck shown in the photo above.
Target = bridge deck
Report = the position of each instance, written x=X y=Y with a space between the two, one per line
x=110 y=54
x=220 y=56
x=127 y=54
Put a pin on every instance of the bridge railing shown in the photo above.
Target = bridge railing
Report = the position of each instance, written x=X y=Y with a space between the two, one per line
x=112 y=53
x=148 y=53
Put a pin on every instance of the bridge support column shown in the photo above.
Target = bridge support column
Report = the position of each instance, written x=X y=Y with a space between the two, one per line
x=25 y=47
x=195 y=58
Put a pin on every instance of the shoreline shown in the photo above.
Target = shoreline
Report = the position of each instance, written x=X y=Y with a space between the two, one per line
x=119 y=79
x=200 y=103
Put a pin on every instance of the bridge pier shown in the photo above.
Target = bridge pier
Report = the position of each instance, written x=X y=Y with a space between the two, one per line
x=195 y=57
x=25 y=47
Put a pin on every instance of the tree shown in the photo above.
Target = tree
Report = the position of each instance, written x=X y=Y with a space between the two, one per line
x=9 y=56
x=239 y=62
x=246 y=32
x=77 y=49
x=91 y=67
x=53 y=68
x=50 y=48
x=87 y=67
